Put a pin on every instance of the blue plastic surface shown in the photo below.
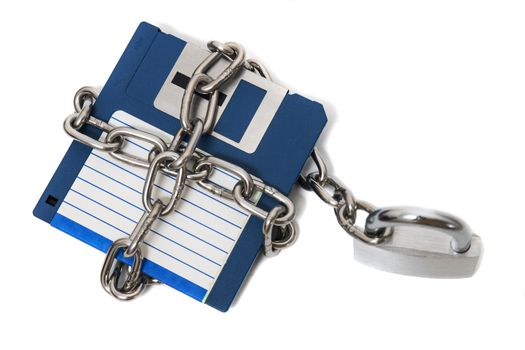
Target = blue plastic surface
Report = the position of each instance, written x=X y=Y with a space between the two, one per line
x=278 y=160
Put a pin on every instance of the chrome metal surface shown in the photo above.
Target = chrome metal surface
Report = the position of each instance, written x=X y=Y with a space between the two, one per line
x=86 y=93
x=423 y=242
x=321 y=173
x=420 y=251
x=112 y=271
x=244 y=178
x=191 y=145
x=223 y=48
x=122 y=134
x=257 y=67
x=287 y=233
x=320 y=188
x=186 y=118
x=84 y=114
x=85 y=139
x=347 y=208
x=147 y=199
x=236 y=63
x=450 y=225
x=141 y=230
x=283 y=219
x=204 y=172
x=125 y=294
x=349 y=224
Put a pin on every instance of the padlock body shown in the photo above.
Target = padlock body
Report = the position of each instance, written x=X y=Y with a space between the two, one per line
x=417 y=251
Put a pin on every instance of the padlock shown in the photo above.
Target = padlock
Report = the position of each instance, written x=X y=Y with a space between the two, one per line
x=423 y=242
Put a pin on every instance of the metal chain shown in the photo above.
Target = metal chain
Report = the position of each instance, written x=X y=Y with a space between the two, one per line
x=183 y=161
x=341 y=199
x=276 y=227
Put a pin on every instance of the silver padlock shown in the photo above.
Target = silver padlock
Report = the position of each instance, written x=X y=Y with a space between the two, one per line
x=419 y=242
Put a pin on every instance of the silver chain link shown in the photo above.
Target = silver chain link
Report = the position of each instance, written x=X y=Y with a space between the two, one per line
x=183 y=161
x=341 y=199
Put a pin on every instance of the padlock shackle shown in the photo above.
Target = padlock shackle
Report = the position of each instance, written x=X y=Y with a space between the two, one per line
x=390 y=217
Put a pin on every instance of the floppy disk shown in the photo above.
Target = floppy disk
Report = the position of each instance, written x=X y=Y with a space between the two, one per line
x=208 y=245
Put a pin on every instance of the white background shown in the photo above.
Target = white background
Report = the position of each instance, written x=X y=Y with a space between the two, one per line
x=425 y=102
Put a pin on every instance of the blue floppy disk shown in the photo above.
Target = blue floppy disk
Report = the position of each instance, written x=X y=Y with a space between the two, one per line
x=207 y=246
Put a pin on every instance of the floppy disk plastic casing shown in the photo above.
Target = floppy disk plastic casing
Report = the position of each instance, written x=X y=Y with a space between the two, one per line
x=272 y=146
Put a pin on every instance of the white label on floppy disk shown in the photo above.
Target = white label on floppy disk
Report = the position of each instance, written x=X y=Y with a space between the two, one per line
x=193 y=242
x=170 y=95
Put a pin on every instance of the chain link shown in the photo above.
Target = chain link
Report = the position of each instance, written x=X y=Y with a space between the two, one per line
x=195 y=82
x=113 y=271
x=138 y=235
x=255 y=66
x=244 y=201
x=341 y=199
x=181 y=161
x=84 y=100
x=123 y=134
x=277 y=237
x=147 y=194
x=216 y=163
x=218 y=51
